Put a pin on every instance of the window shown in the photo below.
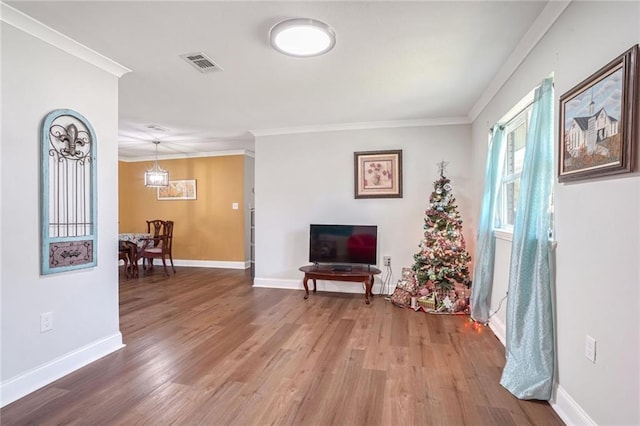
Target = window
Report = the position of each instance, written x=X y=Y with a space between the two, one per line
x=515 y=141
x=516 y=126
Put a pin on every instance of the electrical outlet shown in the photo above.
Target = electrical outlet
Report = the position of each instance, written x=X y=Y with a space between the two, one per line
x=386 y=260
x=46 y=321
x=590 y=349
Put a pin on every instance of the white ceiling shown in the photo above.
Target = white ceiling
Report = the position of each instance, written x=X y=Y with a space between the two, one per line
x=394 y=62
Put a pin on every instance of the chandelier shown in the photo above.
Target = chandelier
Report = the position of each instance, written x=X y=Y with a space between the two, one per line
x=156 y=176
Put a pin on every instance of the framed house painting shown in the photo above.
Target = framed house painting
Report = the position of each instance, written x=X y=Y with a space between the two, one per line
x=598 y=125
x=378 y=174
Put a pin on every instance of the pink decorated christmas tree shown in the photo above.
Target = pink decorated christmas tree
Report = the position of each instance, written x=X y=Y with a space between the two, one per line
x=442 y=262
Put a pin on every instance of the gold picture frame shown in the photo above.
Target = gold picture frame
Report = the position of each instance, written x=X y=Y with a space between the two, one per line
x=378 y=174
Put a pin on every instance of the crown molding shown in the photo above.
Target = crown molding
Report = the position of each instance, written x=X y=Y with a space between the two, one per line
x=447 y=121
x=183 y=156
x=543 y=22
x=37 y=29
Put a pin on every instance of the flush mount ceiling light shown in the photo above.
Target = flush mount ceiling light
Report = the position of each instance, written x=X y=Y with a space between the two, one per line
x=156 y=176
x=302 y=37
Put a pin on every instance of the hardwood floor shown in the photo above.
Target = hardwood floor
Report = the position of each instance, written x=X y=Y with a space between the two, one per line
x=205 y=348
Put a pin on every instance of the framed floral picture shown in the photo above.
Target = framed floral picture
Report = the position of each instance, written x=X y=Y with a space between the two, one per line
x=378 y=174
x=178 y=190
x=598 y=125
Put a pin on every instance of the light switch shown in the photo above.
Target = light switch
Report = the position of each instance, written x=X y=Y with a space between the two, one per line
x=234 y=206
x=590 y=349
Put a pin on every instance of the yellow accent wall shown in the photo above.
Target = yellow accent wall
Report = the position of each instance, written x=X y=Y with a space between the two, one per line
x=206 y=228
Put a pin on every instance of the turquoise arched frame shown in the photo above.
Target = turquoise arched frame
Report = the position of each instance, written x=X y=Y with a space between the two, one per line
x=69 y=193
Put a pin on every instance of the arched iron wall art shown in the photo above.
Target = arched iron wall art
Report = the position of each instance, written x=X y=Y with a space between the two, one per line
x=68 y=191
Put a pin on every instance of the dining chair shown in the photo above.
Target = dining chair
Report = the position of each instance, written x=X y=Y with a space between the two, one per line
x=162 y=244
x=155 y=229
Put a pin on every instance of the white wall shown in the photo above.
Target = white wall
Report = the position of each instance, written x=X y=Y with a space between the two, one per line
x=597 y=227
x=308 y=178
x=36 y=79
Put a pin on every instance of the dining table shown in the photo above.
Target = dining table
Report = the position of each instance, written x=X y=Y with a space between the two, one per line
x=139 y=238
x=142 y=240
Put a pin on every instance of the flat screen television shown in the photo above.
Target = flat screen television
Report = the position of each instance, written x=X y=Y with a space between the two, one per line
x=343 y=244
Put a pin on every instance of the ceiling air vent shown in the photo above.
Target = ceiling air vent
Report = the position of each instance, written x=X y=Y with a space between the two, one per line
x=156 y=128
x=201 y=62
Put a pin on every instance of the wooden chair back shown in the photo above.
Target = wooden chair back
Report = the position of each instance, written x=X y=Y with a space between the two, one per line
x=162 y=235
x=154 y=227
x=168 y=232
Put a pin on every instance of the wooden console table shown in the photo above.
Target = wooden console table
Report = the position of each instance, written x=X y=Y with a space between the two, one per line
x=358 y=273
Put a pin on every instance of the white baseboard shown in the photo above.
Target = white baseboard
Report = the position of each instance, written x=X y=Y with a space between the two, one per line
x=205 y=264
x=32 y=380
x=333 y=286
x=212 y=264
x=566 y=407
x=499 y=329
x=282 y=283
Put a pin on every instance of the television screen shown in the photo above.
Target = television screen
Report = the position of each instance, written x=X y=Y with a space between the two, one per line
x=343 y=244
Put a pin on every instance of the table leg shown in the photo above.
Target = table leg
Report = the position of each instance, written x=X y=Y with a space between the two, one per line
x=314 y=285
x=126 y=270
x=371 y=287
x=368 y=284
x=306 y=288
x=133 y=262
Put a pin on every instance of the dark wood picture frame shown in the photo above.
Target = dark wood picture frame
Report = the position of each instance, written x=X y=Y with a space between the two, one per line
x=378 y=174
x=598 y=125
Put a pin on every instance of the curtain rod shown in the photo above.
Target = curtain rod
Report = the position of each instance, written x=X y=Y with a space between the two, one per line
x=516 y=115
x=503 y=125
